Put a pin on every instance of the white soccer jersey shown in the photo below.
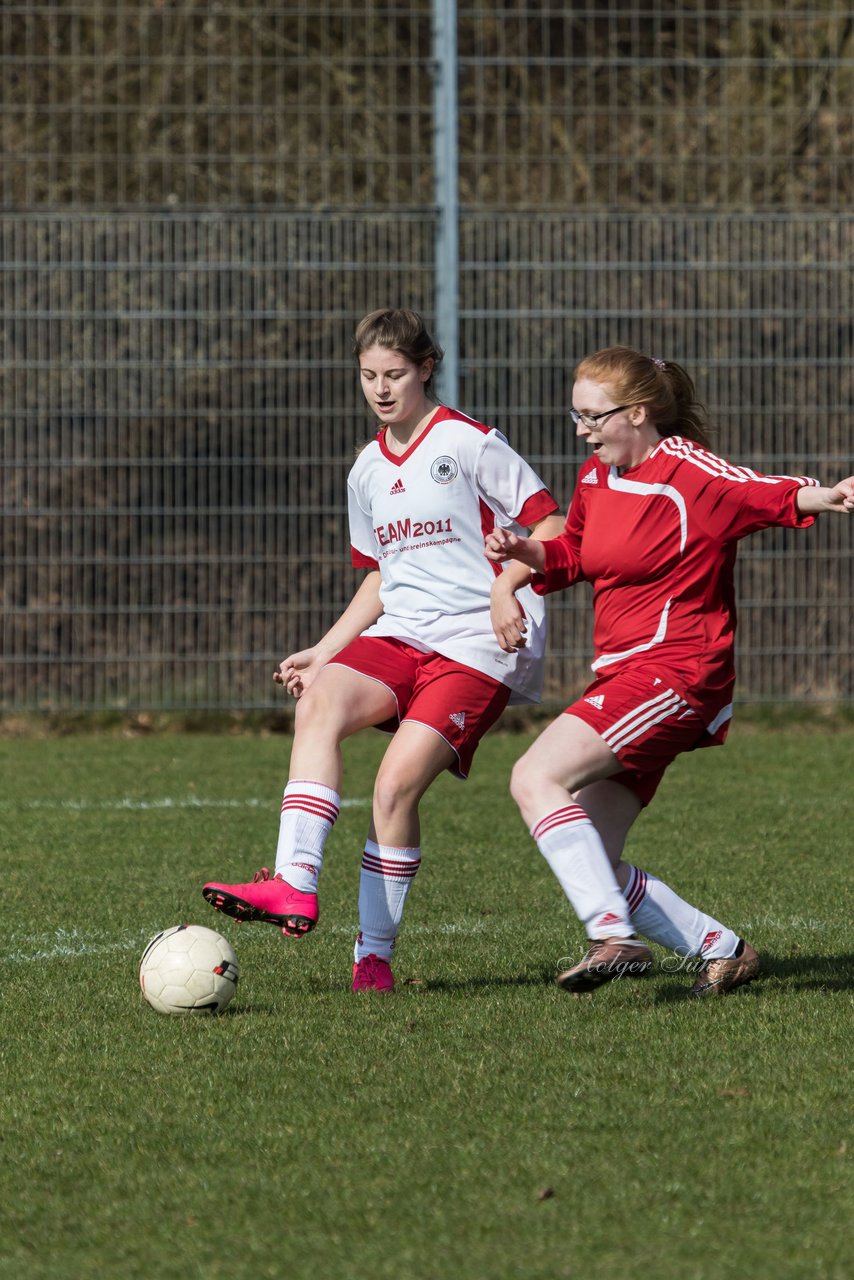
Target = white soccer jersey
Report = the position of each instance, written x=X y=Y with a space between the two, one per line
x=421 y=519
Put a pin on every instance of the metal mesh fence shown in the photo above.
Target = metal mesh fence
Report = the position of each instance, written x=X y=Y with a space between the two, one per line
x=180 y=417
x=176 y=103
x=199 y=200
x=626 y=104
x=181 y=410
x=758 y=309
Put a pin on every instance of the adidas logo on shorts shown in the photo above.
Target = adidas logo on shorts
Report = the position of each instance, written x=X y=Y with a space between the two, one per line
x=597 y=701
x=459 y=719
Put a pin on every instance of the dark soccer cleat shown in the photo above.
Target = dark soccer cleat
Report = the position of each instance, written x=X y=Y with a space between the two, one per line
x=717 y=977
x=607 y=959
x=266 y=900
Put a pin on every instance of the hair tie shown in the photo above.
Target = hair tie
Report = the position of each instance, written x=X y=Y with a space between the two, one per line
x=658 y=362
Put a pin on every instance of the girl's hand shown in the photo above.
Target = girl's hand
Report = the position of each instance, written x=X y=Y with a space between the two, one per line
x=841 y=496
x=507 y=617
x=499 y=545
x=298 y=671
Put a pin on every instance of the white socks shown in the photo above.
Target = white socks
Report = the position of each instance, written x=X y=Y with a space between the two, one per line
x=571 y=845
x=660 y=914
x=567 y=840
x=386 y=878
x=309 y=810
x=573 y=848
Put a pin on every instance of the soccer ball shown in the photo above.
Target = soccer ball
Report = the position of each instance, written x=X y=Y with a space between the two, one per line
x=188 y=969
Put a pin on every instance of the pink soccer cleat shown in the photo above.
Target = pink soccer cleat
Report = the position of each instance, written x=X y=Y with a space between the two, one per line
x=266 y=900
x=372 y=974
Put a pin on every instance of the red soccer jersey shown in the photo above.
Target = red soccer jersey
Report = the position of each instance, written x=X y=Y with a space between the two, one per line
x=659 y=543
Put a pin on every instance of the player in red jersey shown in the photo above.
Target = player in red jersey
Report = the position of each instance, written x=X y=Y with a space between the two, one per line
x=415 y=651
x=654 y=525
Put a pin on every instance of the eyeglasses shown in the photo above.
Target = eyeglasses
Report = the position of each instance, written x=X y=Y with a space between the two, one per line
x=590 y=419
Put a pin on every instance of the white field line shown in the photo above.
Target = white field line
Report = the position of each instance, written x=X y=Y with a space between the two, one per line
x=167 y=802
x=65 y=944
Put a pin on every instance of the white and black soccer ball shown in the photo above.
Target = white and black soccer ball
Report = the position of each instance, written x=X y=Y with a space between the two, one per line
x=188 y=969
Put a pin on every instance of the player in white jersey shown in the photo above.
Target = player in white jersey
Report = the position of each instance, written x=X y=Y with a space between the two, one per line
x=433 y=645
x=420 y=519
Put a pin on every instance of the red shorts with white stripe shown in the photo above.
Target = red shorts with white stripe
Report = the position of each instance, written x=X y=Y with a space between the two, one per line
x=455 y=701
x=645 y=722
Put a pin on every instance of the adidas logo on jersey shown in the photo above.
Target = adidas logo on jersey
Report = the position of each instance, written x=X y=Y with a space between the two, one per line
x=397 y=487
x=459 y=719
x=590 y=478
x=597 y=701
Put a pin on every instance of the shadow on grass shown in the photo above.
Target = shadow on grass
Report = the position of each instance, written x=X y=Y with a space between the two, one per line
x=800 y=973
x=432 y=985
x=811 y=972
x=250 y=1008
x=817 y=973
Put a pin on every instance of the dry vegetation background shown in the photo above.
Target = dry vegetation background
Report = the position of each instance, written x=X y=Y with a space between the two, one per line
x=175 y=103
x=198 y=200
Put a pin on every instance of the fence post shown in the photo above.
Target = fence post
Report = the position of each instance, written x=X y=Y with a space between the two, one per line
x=446 y=187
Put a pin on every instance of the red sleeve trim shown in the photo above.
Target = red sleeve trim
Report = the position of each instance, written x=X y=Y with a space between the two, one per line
x=799 y=519
x=556 y=554
x=560 y=569
x=360 y=561
x=458 y=416
x=536 y=508
x=487 y=524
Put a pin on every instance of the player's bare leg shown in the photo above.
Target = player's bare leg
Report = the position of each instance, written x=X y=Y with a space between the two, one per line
x=338 y=703
x=546 y=783
x=415 y=757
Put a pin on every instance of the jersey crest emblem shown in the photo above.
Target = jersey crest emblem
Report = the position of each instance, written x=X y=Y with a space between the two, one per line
x=597 y=701
x=444 y=470
x=459 y=719
x=590 y=478
x=397 y=487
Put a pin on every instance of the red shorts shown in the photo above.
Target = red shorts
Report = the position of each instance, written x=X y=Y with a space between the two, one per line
x=457 y=702
x=645 y=722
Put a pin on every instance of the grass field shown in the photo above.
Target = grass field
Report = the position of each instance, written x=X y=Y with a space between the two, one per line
x=479 y=1123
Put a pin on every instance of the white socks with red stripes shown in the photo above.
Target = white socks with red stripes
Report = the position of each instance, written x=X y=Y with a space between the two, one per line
x=573 y=848
x=387 y=875
x=309 y=810
x=660 y=914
